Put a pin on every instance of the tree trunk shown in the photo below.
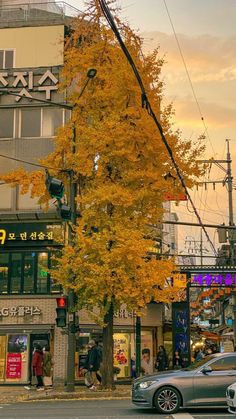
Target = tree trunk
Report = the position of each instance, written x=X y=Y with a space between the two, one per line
x=107 y=373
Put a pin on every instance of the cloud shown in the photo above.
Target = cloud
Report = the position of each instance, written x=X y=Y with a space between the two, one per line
x=208 y=58
x=215 y=114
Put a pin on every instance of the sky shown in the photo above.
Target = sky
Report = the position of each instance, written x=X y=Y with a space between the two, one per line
x=200 y=81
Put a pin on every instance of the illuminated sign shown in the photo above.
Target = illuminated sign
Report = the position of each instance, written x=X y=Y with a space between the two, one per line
x=207 y=280
x=25 y=236
x=179 y=280
x=26 y=81
x=28 y=233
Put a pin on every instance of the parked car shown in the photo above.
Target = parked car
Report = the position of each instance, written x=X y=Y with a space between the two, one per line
x=231 y=398
x=203 y=383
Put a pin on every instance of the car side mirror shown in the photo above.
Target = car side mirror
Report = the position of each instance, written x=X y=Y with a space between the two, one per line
x=206 y=370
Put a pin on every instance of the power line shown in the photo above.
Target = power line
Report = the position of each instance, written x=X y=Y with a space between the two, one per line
x=28 y=162
x=146 y=104
x=189 y=78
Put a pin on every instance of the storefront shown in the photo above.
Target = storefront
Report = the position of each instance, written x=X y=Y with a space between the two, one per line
x=24 y=321
x=28 y=299
x=124 y=340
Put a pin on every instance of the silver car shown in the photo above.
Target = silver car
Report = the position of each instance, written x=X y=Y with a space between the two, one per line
x=203 y=383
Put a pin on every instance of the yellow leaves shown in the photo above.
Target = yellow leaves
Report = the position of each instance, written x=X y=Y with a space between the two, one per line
x=33 y=182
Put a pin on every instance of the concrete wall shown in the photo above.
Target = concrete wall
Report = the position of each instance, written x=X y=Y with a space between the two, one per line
x=34 y=46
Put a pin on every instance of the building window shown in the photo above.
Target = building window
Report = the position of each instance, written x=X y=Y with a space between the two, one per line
x=26 y=273
x=7 y=58
x=7 y=123
x=40 y=122
x=4 y=267
x=30 y=122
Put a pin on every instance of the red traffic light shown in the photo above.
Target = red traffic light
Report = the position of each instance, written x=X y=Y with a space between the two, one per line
x=62 y=302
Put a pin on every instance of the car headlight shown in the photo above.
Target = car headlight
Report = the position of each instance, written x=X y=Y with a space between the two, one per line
x=146 y=384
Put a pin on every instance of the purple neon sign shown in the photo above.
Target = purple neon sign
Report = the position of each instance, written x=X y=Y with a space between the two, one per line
x=206 y=280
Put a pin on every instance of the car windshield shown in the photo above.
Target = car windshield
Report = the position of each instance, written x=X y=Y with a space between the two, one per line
x=198 y=364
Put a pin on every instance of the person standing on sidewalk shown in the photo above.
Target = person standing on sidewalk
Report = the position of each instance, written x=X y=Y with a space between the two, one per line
x=37 y=366
x=47 y=368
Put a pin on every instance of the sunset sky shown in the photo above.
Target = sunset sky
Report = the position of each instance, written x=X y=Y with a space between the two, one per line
x=207 y=37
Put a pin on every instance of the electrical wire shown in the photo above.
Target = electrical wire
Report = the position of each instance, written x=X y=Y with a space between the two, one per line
x=146 y=104
x=189 y=78
x=28 y=162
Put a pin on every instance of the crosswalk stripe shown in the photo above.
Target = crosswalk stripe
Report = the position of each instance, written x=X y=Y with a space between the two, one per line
x=182 y=416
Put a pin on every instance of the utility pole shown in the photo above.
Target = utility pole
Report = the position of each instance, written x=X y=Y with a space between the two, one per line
x=229 y=181
x=70 y=382
x=201 y=249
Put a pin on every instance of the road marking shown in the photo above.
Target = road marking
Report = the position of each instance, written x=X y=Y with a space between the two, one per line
x=182 y=416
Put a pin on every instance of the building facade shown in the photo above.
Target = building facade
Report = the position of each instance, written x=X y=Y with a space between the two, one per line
x=31 y=56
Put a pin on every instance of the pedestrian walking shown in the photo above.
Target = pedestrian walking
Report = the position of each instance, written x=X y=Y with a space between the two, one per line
x=37 y=366
x=99 y=372
x=47 y=367
x=93 y=363
x=161 y=359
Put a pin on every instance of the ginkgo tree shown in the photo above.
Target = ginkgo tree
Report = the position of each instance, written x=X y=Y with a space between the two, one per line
x=119 y=165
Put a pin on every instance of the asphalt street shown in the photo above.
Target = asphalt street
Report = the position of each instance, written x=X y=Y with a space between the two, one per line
x=100 y=409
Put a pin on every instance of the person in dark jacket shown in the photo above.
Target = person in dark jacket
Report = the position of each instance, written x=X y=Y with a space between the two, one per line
x=37 y=366
x=161 y=359
x=93 y=363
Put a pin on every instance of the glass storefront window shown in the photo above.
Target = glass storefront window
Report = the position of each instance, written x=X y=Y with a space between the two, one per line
x=29 y=270
x=16 y=273
x=2 y=357
x=4 y=262
x=122 y=353
x=27 y=273
x=42 y=274
x=17 y=358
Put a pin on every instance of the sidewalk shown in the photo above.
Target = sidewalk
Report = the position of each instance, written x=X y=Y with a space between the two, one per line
x=10 y=394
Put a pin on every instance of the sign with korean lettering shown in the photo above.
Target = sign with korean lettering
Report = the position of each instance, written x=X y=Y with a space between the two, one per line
x=123 y=313
x=212 y=279
x=28 y=234
x=179 y=280
x=30 y=81
x=20 y=311
x=14 y=365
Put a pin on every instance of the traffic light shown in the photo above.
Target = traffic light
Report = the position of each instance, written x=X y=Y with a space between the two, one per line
x=61 y=310
x=56 y=190
x=55 y=187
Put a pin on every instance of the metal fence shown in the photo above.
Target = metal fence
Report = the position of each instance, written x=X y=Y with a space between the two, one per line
x=16 y=11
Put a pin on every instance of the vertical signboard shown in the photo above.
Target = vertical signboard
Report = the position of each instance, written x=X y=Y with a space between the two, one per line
x=181 y=330
x=14 y=365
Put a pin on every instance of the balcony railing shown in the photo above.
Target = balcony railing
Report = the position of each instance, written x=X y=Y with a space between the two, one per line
x=25 y=13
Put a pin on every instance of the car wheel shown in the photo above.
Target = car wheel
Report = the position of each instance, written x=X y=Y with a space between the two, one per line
x=167 y=400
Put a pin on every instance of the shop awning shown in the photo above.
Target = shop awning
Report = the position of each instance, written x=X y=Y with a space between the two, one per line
x=210 y=335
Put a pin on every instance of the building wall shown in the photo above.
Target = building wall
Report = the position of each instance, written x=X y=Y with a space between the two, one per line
x=31 y=323
x=34 y=46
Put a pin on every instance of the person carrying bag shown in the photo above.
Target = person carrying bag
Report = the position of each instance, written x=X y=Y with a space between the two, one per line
x=47 y=368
